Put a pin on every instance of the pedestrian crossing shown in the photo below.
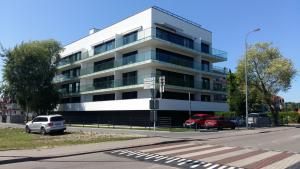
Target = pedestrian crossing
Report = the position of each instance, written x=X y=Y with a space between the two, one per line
x=206 y=156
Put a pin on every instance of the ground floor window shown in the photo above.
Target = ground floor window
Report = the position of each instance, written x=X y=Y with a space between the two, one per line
x=104 y=97
x=205 y=98
x=129 y=95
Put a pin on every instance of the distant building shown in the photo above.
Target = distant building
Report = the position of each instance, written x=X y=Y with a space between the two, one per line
x=102 y=75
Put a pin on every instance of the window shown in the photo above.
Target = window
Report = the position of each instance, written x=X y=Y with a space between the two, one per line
x=176 y=79
x=104 y=64
x=129 y=95
x=104 y=82
x=70 y=59
x=75 y=72
x=129 y=58
x=170 y=57
x=130 y=37
x=174 y=38
x=104 y=97
x=220 y=98
x=75 y=100
x=204 y=65
x=204 y=48
x=103 y=47
x=205 y=83
x=130 y=78
x=43 y=119
x=57 y=118
x=175 y=95
x=205 y=98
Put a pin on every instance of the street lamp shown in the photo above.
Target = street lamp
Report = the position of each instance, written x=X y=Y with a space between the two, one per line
x=246 y=72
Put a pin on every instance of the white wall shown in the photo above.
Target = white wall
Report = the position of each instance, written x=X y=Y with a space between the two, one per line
x=143 y=104
x=141 y=19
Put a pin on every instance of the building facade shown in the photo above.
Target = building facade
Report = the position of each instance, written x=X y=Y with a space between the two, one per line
x=103 y=73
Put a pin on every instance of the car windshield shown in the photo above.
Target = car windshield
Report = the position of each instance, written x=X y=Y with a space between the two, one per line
x=57 y=118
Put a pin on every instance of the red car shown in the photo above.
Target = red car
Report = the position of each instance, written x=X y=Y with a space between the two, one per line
x=197 y=119
x=218 y=122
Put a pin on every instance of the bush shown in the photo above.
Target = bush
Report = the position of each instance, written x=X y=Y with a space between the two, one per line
x=287 y=117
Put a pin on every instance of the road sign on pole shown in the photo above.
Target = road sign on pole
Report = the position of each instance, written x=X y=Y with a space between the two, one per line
x=162 y=83
x=149 y=83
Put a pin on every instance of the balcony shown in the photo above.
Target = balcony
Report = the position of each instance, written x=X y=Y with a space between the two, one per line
x=66 y=92
x=148 y=34
x=62 y=78
x=130 y=81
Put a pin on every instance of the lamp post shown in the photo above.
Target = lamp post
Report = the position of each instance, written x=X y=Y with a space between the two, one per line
x=246 y=72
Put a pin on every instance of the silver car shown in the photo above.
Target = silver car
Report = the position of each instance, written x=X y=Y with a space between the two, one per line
x=46 y=124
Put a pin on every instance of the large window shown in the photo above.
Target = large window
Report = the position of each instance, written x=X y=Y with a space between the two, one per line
x=175 y=95
x=174 y=38
x=129 y=78
x=130 y=37
x=70 y=59
x=176 y=79
x=104 y=64
x=204 y=48
x=129 y=95
x=205 y=65
x=205 y=83
x=129 y=58
x=75 y=72
x=70 y=88
x=104 y=82
x=103 y=47
x=205 y=98
x=104 y=97
x=175 y=58
x=70 y=100
x=220 y=98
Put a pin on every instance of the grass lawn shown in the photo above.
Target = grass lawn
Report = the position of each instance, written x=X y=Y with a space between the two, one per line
x=13 y=138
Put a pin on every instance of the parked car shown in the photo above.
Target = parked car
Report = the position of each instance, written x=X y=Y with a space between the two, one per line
x=46 y=124
x=259 y=120
x=196 y=119
x=219 y=122
x=239 y=121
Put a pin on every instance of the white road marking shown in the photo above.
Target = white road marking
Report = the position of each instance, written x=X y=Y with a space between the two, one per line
x=213 y=166
x=204 y=152
x=222 y=167
x=172 y=160
x=166 y=147
x=184 y=149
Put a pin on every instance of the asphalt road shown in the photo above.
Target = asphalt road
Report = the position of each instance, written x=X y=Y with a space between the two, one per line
x=278 y=139
x=88 y=161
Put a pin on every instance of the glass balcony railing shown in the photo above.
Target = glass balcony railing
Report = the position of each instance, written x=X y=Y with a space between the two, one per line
x=66 y=92
x=113 y=84
x=62 y=78
x=148 y=34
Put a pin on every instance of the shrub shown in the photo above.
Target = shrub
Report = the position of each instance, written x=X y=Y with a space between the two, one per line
x=287 y=117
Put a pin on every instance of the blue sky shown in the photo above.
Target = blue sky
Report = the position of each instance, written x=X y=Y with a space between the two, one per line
x=66 y=21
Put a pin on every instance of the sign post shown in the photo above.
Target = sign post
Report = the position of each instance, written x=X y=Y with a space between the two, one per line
x=162 y=83
x=149 y=83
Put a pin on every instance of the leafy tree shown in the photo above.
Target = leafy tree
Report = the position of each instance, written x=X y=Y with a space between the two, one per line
x=268 y=73
x=236 y=96
x=28 y=72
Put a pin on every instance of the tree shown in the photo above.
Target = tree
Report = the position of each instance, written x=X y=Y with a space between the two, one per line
x=28 y=72
x=268 y=72
x=236 y=96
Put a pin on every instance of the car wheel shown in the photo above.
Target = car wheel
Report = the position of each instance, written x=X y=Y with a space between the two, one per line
x=220 y=128
x=43 y=131
x=233 y=127
x=27 y=129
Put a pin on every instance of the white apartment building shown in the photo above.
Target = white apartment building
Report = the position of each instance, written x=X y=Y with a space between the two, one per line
x=102 y=74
